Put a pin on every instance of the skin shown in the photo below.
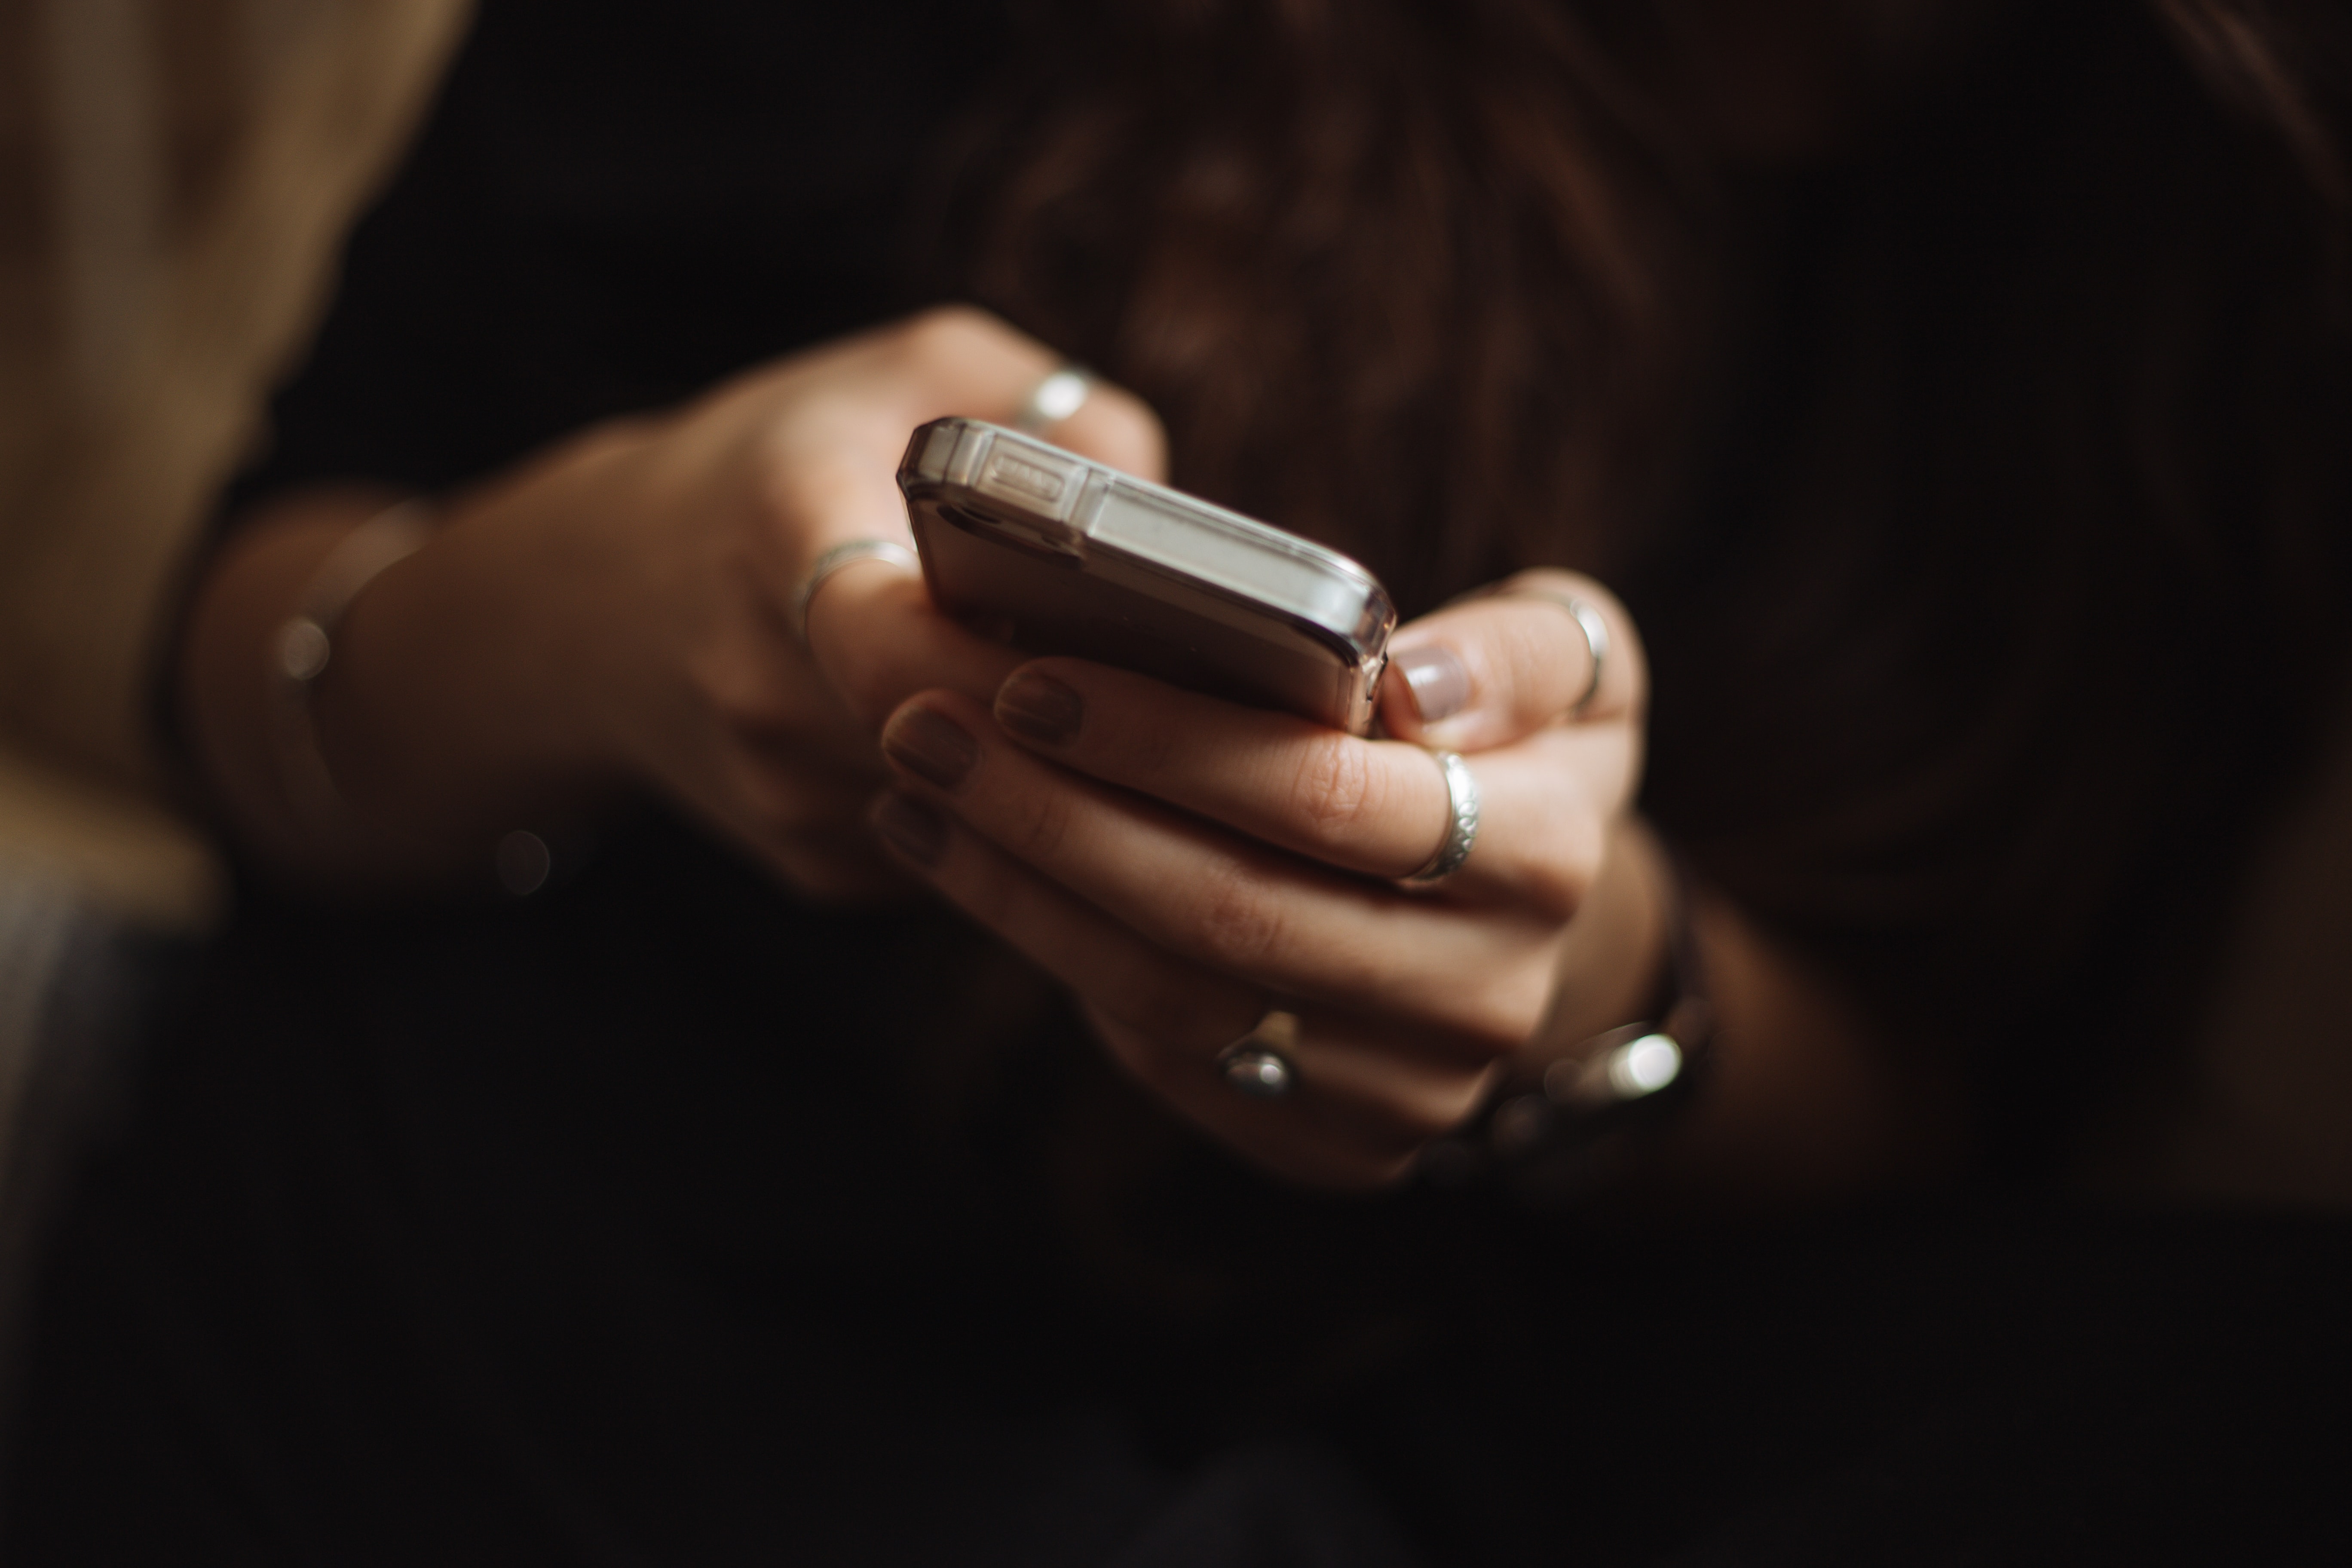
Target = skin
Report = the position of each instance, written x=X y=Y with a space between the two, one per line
x=1248 y=859
x=613 y=616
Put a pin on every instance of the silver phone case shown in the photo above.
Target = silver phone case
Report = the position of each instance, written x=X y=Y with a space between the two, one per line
x=1057 y=555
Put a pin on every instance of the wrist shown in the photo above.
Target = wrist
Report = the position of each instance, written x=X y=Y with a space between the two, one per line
x=1623 y=1053
x=459 y=710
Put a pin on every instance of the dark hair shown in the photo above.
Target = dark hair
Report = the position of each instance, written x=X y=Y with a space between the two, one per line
x=1973 y=465
x=1396 y=275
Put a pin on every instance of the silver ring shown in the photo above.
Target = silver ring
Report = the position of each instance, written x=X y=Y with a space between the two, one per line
x=842 y=555
x=1461 y=822
x=1053 y=400
x=1258 y=1064
x=1595 y=628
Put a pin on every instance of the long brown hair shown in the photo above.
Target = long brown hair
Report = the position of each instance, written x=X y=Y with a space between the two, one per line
x=1972 y=461
x=1397 y=274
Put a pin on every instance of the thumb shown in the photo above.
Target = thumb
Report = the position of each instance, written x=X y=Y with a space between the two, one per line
x=1485 y=671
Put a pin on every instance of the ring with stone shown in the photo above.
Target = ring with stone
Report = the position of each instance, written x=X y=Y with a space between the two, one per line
x=1258 y=1064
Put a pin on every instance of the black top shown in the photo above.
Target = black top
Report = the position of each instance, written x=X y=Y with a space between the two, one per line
x=613 y=206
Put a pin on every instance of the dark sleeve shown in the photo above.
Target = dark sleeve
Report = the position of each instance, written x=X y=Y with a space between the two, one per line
x=613 y=204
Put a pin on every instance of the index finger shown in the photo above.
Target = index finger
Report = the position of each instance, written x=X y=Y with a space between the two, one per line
x=1484 y=672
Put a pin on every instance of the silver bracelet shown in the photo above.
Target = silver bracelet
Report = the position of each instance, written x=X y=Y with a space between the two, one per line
x=1567 y=1129
x=304 y=644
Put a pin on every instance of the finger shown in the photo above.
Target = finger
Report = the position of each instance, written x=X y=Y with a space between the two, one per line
x=1378 y=807
x=878 y=639
x=1382 y=1079
x=827 y=431
x=1117 y=427
x=1310 y=1138
x=1362 y=1106
x=1486 y=671
x=767 y=694
x=835 y=869
x=957 y=360
x=795 y=789
x=839 y=475
x=1240 y=908
x=800 y=815
x=1097 y=958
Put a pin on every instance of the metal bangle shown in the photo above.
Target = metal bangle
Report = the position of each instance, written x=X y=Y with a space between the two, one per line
x=839 y=556
x=1559 y=1130
x=304 y=644
x=1461 y=823
x=1060 y=394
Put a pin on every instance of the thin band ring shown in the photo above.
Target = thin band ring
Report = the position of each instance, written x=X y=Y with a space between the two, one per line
x=839 y=556
x=1062 y=394
x=1595 y=628
x=1461 y=823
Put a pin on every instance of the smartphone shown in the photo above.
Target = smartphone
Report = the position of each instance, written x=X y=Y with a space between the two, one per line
x=1054 y=553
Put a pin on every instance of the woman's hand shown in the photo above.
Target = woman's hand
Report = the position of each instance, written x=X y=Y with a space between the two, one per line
x=724 y=508
x=617 y=613
x=1185 y=864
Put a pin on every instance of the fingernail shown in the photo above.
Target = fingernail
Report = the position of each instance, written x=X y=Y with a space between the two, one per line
x=1439 y=683
x=912 y=829
x=930 y=745
x=1040 y=708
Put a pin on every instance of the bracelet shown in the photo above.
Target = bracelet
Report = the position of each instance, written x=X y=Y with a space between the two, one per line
x=304 y=644
x=1567 y=1129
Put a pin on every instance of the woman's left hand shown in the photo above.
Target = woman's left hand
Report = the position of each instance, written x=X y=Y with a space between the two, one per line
x=1187 y=865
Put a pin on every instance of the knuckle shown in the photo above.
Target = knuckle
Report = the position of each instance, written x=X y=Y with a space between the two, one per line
x=1043 y=823
x=773 y=467
x=945 y=332
x=1555 y=889
x=1238 y=922
x=1157 y=749
x=1333 y=788
x=1554 y=884
x=1504 y=1016
x=1173 y=1007
x=865 y=687
x=1551 y=894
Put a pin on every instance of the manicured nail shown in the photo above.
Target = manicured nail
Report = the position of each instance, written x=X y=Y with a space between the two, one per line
x=930 y=745
x=1040 y=708
x=1439 y=683
x=912 y=829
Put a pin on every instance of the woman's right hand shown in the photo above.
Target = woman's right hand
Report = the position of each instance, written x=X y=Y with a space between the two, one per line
x=618 y=611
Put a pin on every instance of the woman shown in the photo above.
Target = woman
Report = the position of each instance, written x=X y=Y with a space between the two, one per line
x=1917 y=375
